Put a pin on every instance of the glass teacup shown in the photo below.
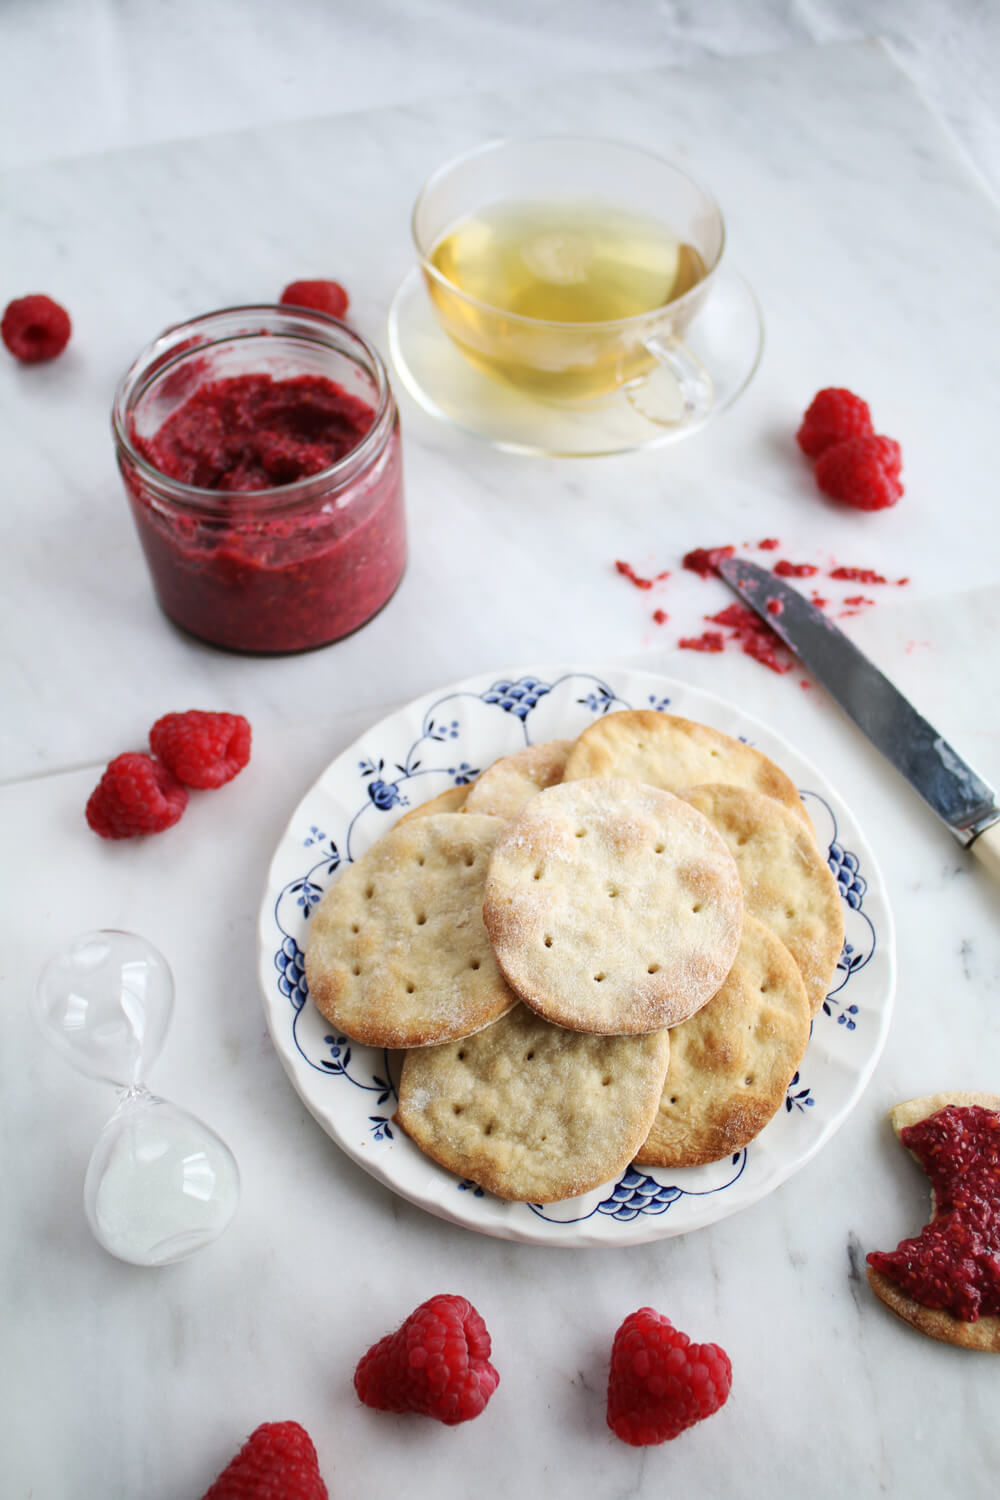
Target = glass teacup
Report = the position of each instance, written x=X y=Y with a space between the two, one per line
x=570 y=268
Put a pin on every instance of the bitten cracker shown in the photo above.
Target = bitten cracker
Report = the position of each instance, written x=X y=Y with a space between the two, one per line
x=397 y=954
x=667 y=751
x=506 y=785
x=730 y=1065
x=787 y=883
x=937 y=1323
x=530 y=1111
x=612 y=907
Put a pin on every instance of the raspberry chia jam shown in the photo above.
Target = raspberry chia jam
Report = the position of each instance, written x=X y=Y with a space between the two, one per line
x=954 y=1263
x=260 y=452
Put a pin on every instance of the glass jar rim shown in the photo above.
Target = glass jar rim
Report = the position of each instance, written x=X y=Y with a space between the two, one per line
x=605 y=325
x=244 y=322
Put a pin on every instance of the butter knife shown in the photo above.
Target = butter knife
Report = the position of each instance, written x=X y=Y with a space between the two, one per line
x=965 y=803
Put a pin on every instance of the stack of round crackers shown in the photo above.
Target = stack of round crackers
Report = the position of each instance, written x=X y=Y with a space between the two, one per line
x=604 y=950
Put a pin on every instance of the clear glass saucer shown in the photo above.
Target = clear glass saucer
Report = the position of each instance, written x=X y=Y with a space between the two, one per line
x=727 y=340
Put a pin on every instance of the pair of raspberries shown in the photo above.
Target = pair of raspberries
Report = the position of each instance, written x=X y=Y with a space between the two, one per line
x=141 y=793
x=854 y=464
x=438 y=1364
x=36 y=328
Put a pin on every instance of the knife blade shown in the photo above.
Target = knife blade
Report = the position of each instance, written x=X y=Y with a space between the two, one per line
x=966 y=803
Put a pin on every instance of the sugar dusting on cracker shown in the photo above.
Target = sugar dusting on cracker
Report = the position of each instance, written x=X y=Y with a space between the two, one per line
x=612 y=907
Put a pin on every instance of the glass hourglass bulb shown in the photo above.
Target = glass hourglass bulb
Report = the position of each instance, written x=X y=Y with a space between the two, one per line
x=160 y=1183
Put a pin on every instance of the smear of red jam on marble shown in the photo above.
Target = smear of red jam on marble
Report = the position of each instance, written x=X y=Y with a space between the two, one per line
x=705 y=560
x=954 y=1262
x=627 y=571
x=858 y=575
x=709 y=640
x=660 y=616
x=252 y=432
x=746 y=629
x=755 y=637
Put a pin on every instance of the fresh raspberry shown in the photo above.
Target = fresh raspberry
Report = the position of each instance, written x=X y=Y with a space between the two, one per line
x=436 y=1363
x=35 y=328
x=833 y=416
x=277 y=1462
x=863 y=472
x=202 y=749
x=321 y=296
x=660 y=1383
x=135 y=795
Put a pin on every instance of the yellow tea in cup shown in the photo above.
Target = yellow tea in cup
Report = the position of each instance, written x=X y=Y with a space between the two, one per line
x=570 y=268
x=559 y=296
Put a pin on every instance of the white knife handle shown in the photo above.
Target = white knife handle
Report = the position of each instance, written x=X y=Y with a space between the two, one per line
x=987 y=848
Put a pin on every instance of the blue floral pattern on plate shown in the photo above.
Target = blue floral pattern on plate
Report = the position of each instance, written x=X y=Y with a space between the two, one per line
x=444 y=740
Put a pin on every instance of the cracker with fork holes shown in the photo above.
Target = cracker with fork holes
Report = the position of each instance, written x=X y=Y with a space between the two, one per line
x=612 y=907
x=397 y=954
x=731 y=1064
x=787 y=882
x=530 y=1111
x=671 y=752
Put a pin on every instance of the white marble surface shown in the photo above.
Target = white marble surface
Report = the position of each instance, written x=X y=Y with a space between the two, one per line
x=124 y=72
x=873 y=248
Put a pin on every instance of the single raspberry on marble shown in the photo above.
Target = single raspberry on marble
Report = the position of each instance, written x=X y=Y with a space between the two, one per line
x=136 y=795
x=660 y=1383
x=203 y=750
x=35 y=328
x=277 y=1462
x=436 y=1364
x=321 y=296
x=834 y=415
x=862 y=472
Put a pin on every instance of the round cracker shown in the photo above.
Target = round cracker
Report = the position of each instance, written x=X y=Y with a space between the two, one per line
x=787 y=883
x=451 y=800
x=731 y=1064
x=936 y=1322
x=530 y=1111
x=612 y=907
x=506 y=785
x=668 y=751
x=397 y=954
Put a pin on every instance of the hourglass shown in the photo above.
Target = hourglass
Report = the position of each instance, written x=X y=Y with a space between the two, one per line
x=160 y=1183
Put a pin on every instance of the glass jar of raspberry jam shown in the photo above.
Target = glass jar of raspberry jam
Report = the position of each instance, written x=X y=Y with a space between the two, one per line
x=260 y=452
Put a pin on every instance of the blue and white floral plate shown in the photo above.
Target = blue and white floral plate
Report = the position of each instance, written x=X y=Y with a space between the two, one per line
x=448 y=737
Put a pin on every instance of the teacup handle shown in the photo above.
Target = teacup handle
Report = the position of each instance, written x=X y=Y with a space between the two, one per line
x=686 y=399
